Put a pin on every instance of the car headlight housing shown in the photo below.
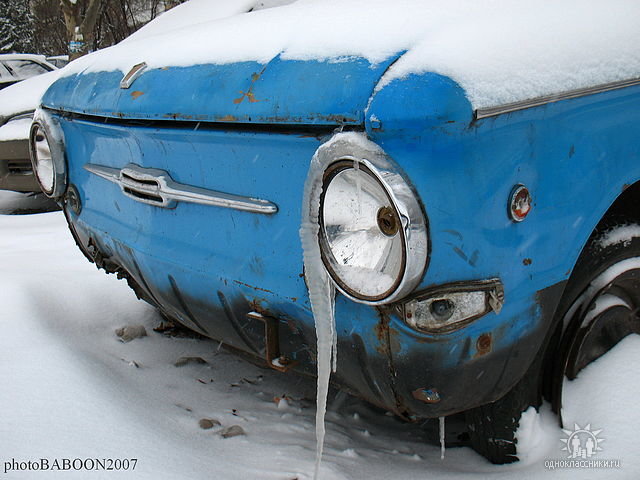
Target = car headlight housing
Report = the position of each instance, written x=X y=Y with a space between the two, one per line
x=372 y=231
x=46 y=147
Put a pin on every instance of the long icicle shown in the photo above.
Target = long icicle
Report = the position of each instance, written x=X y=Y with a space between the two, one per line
x=441 y=438
x=322 y=298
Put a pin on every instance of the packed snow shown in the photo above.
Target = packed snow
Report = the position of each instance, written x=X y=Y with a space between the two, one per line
x=623 y=234
x=499 y=51
x=16 y=129
x=73 y=389
x=25 y=96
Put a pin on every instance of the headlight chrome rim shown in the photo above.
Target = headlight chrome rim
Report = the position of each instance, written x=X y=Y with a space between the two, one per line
x=46 y=126
x=349 y=149
x=326 y=253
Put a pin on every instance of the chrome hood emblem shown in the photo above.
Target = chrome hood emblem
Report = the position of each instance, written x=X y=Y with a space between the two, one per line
x=133 y=74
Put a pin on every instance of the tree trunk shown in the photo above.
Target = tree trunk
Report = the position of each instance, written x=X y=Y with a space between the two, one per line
x=80 y=19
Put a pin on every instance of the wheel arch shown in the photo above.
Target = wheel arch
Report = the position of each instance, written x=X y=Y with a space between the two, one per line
x=625 y=207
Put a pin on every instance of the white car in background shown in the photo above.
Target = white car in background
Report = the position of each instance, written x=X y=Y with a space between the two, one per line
x=15 y=67
x=17 y=104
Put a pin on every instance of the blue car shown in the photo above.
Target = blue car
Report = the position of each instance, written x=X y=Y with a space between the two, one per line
x=438 y=201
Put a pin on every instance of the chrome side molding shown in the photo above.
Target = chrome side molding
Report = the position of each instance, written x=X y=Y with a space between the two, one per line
x=536 y=102
x=156 y=187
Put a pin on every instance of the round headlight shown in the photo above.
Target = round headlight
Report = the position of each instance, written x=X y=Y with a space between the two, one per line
x=42 y=159
x=363 y=242
x=46 y=146
x=372 y=233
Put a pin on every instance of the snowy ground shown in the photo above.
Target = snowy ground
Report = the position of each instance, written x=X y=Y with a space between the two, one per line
x=71 y=389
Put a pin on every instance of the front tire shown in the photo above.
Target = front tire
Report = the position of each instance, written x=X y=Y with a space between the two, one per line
x=601 y=303
x=492 y=428
x=600 y=306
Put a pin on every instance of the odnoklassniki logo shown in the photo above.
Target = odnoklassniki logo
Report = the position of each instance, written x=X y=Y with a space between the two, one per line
x=582 y=442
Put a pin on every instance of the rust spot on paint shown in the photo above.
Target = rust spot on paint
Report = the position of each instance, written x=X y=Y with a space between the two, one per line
x=483 y=344
x=388 y=338
x=394 y=343
x=255 y=288
x=381 y=330
x=256 y=306
x=228 y=118
x=249 y=95
x=527 y=261
x=136 y=94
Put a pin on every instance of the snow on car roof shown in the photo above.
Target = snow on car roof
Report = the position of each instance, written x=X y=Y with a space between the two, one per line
x=23 y=56
x=499 y=51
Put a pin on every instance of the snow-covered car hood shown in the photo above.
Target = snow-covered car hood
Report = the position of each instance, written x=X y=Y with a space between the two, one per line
x=306 y=60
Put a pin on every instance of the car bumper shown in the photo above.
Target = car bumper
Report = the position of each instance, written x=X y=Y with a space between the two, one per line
x=380 y=359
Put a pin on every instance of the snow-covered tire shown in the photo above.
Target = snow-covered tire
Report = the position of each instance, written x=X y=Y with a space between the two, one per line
x=601 y=303
x=599 y=307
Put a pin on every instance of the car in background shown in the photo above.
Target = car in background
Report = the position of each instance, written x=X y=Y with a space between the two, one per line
x=15 y=67
x=17 y=104
x=58 y=60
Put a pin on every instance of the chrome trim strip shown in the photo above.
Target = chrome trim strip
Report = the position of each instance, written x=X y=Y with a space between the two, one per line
x=156 y=187
x=536 y=102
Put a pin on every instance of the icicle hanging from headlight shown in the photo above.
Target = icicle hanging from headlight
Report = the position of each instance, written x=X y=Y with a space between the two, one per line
x=322 y=297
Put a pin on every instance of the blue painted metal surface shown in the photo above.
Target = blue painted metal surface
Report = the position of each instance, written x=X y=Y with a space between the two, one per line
x=284 y=92
x=210 y=266
x=575 y=157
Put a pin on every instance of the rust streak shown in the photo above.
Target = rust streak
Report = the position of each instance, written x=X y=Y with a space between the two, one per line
x=255 y=288
x=248 y=94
